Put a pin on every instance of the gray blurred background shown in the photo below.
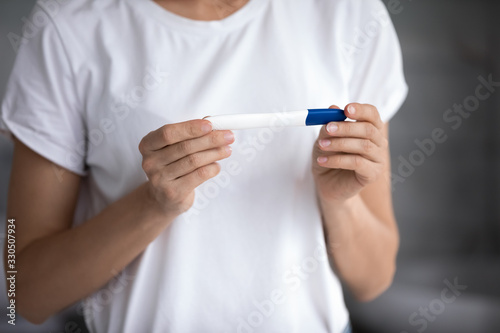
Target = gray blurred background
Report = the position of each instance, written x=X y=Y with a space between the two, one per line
x=448 y=208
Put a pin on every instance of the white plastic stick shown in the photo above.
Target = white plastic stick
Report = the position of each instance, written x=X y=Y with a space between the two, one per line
x=257 y=120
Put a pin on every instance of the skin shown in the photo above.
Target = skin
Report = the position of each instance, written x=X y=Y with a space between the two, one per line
x=58 y=265
x=351 y=168
x=202 y=10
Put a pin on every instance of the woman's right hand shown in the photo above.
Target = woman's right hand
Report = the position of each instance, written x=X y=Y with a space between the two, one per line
x=179 y=157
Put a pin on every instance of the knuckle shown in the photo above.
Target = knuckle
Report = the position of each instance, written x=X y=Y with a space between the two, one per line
x=371 y=108
x=204 y=172
x=342 y=143
x=185 y=147
x=167 y=134
x=191 y=129
x=347 y=129
x=170 y=193
x=337 y=160
x=357 y=161
x=215 y=138
x=209 y=171
x=367 y=146
x=370 y=130
x=141 y=146
x=194 y=160
x=147 y=164
x=214 y=169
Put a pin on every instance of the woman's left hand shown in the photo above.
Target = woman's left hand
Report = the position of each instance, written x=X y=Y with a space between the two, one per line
x=347 y=156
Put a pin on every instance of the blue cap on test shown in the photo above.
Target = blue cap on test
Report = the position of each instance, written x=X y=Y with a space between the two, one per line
x=324 y=116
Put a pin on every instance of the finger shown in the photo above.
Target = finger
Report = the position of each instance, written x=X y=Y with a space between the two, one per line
x=362 y=166
x=194 y=161
x=172 y=133
x=192 y=180
x=364 y=112
x=181 y=149
x=361 y=130
x=363 y=147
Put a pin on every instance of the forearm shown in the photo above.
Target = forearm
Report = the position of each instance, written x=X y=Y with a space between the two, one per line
x=362 y=247
x=56 y=271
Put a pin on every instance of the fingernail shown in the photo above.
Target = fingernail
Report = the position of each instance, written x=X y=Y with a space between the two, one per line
x=205 y=128
x=351 y=109
x=228 y=149
x=324 y=143
x=322 y=159
x=332 y=127
x=228 y=136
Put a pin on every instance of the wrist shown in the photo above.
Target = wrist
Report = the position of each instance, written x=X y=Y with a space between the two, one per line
x=153 y=206
x=345 y=206
x=339 y=214
x=340 y=220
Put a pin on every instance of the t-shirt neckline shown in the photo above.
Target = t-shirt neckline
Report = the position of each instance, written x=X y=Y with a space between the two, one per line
x=178 y=22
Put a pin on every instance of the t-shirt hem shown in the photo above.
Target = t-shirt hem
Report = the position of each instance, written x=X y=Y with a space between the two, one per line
x=394 y=103
x=58 y=155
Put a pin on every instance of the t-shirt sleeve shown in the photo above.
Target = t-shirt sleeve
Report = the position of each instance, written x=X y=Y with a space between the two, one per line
x=41 y=107
x=373 y=54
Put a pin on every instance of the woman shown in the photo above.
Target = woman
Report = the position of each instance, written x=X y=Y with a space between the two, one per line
x=123 y=196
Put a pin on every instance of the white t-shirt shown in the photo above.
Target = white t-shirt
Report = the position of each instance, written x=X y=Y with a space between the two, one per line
x=93 y=79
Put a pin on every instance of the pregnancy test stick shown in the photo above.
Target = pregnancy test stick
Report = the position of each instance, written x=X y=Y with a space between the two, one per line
x=307 y=117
